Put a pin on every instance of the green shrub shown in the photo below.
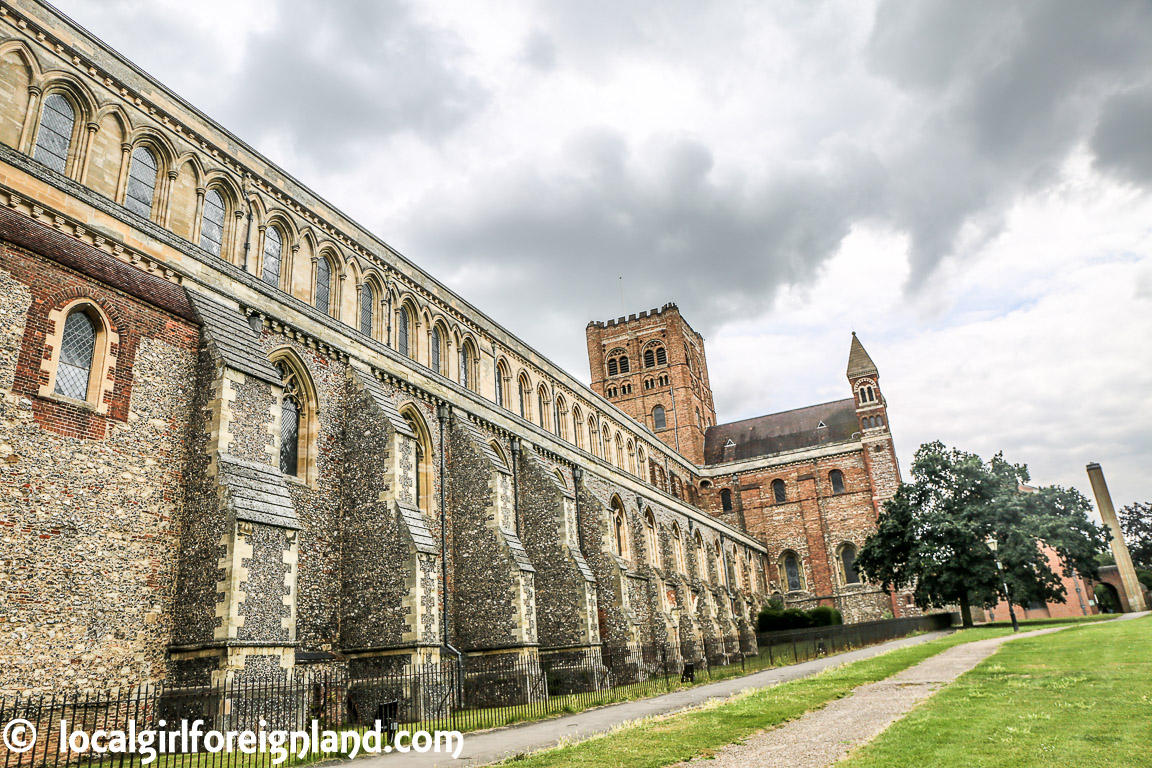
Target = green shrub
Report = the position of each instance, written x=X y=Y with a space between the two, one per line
x=773 y=619
x=825 y=616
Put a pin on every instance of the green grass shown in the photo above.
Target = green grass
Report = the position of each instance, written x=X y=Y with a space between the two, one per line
x=1039 y=623
x=1081 y=697
x=700 y=732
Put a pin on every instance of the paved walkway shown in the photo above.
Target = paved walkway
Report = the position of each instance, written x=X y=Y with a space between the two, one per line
x=825 y=736
x=491 y=746
x=868 y=714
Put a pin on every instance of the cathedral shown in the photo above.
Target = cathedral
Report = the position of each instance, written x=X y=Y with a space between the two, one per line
x=242 y=436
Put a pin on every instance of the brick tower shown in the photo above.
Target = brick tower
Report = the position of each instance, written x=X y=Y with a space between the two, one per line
x=652 y=366
x=872 y=413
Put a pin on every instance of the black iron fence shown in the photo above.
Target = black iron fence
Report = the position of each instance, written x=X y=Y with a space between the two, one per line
x=483 y=692
x=809 y=643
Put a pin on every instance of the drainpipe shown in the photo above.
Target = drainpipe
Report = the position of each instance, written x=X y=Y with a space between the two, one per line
x=516 y=482
x=577 y=476
x=443 y=412
x=248 y=229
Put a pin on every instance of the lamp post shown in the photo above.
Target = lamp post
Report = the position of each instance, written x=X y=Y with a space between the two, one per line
x=992 y=545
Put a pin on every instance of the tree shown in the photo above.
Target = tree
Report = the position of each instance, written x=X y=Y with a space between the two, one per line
x=932 y=535
x=1136 y=522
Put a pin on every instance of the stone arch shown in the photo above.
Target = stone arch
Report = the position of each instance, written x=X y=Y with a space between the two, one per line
x=618 y=527
x=299 y=391
x=84 y=107
x=423 y=458
x=186 y=207
x=19 y=70
x=108 y=329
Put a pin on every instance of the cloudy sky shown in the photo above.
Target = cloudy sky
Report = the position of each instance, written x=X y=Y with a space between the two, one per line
x=964 y=184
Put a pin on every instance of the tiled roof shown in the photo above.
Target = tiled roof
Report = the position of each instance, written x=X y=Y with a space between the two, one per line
x=89 y=260
x=376 y=392
x=481 y=442
x=859 y=363
x=779 y=432
x=256 y=493
x=412 y=519
x=229 y=334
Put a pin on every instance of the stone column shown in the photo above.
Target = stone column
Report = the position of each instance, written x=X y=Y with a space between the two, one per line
x=1119 y=548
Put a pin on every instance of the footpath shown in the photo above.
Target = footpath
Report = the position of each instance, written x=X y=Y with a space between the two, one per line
x=819 y=738
x=491 y=746
x=825 y=736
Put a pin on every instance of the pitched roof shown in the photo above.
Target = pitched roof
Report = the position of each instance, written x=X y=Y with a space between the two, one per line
x=859 y=364
x=778 y=432
x=228 y=333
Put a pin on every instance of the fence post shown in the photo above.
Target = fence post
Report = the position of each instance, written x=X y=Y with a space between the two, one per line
x=664 y=661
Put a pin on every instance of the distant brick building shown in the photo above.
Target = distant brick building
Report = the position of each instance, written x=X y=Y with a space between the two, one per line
x=808 y=483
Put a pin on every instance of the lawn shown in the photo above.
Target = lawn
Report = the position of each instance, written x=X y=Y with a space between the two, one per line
x=701 y=732
x=1080 y=697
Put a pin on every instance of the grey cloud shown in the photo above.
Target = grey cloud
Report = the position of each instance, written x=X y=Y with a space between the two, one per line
x=1121 y=142
x=658 y=219
x=333 y=77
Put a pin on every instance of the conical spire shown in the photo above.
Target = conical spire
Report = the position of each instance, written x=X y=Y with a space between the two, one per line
x=859 y=364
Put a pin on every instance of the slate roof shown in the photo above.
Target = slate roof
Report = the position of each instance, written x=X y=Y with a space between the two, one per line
x=582 y=564
x=859 y=363
x=376 y=392
x=551 y=473
x=485 y=449
x=779 y=432
x=256 y=493
x=229 y=335
x=89 y=260
x=412 y=519
x=519 y=554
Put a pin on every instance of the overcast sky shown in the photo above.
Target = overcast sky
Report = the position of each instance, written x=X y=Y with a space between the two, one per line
x=964 y=184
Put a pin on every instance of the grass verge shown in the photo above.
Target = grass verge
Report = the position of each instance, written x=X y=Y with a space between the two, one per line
x=666 y=740
x=1081 y=697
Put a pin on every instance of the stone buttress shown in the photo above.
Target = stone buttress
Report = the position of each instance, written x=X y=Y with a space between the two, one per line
x=235 y=601
x=390 y=569
x=566 y=603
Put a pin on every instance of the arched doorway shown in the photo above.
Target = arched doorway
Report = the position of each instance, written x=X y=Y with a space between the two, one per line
x=1108 y=598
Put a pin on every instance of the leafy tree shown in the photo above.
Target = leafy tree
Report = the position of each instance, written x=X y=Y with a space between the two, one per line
x=932 y=535
x=1136 y=522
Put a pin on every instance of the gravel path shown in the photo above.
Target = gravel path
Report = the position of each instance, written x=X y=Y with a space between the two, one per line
x=826 y=735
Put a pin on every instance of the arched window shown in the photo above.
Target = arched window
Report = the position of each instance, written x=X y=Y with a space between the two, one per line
x=641 y=462
x=558 y=410
x=792 y=575
x=495 y=446
x=594 y=444
x=577 y=426
x=778 y=492
x=501 y=378
x=434 y=349
x=661 y=356
x=212 y=223
x=467 y=364
x=836 y=477
x=57 y=122
x=273 y=252
x=619 y=528
x=403 y=320
x=701 y=558
x=607 y=436
x=699 y=421
x=659 y=420
x=141 y=182
x=619 y=454
x=662 y=380
x=867 y=394
x=655 y=355
x=323 y=292
x=367 y=307
x=650 y=358
x=77 y=349
x=678 y=548
x=297 y=409
x=726 y=500
x=542 y=404
x=424 y=463
x=652 y=539
x=722 y=564
x=848 y=572
x=525 y=397
x=631 y=458
x=617 y=362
